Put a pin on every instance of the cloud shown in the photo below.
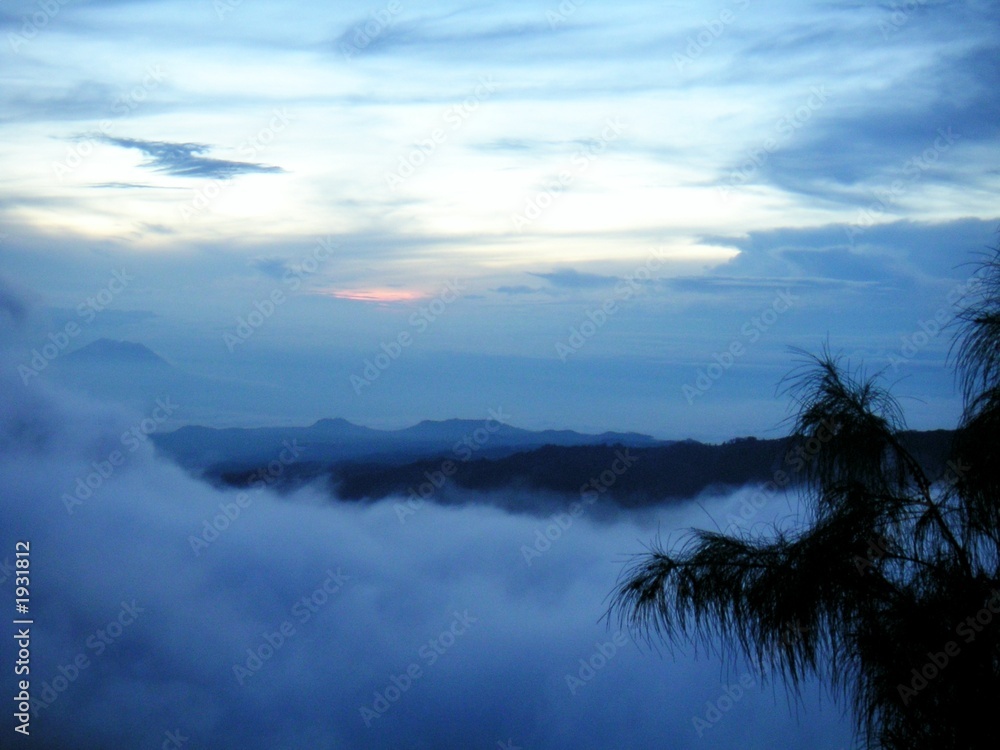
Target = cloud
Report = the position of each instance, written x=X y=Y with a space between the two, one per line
x=729 y=284
x=914 y=136
x=130 y=186
x=377 y=295
x=297 y=613
x=442 y=35
x=520 y=289
x=183 y=160
x=894 y=254
x=509 y=144
x=570 y=278
x=272 y=267
x=13 y=300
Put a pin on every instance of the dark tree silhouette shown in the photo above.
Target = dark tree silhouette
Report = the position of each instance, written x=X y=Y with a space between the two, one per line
x=888 y=588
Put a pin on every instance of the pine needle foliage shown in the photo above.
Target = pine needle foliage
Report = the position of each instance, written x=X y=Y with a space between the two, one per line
x=878 y=588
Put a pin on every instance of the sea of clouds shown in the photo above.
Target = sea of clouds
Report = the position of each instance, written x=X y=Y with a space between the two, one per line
x=307 y=623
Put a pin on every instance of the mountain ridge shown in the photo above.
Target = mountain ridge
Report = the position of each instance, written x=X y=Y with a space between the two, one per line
x=623 y=476
x=102 y=350
x=335 y=439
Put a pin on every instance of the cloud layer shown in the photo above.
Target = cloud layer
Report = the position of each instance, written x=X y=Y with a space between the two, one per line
x=265 y=622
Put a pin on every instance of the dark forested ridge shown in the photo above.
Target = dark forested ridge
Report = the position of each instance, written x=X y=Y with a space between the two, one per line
x=627 y=476
x=331 y=441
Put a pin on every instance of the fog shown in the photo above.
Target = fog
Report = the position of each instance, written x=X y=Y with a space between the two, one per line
x=169 y=614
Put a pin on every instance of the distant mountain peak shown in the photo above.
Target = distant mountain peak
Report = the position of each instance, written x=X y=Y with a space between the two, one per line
x=333 y=422
x=438 y=422
x=105 y=350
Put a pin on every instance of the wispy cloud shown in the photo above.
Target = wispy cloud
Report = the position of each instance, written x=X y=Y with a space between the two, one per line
x=272 y=267
x=372 y=295
x=570 y=278
x=516 y=289
x=131 y=185
x=185 y=160
x=439 y=37
x=13 y=303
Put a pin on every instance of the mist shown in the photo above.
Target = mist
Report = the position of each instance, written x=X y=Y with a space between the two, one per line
x=170 y=614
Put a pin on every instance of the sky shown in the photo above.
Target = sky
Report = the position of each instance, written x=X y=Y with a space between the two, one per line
x=591 y=216
x=606 y=216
